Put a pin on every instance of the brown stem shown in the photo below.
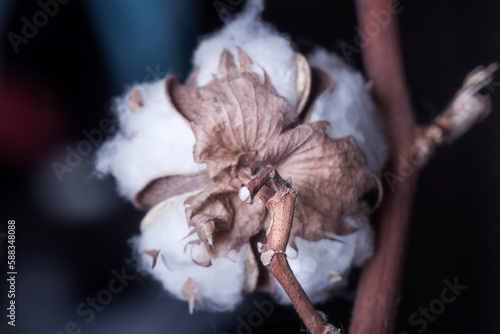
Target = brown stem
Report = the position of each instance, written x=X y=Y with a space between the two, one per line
x=281 y=206
x=376 y=302
x=375 y=306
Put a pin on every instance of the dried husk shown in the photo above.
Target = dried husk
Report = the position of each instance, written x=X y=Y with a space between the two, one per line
x=239 y=126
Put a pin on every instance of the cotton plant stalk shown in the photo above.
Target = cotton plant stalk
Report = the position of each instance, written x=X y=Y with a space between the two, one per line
x=375 y=307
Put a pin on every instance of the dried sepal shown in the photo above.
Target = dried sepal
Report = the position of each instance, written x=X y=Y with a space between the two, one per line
x=135 y=100
x=321 y=82
x=247 y=222
x=210 y=210
x=334 y=277
x=160 y=209
x=189 y=290
x=164 y=187
x=154 y=254
x=329 y=174
x=233 y=117
x=302 y=82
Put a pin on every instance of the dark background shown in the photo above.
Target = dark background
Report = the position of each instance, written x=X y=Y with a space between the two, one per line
x=72 y=234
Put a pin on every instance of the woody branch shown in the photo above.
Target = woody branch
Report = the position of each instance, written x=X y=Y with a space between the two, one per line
x=378 y=291
x=280 y=202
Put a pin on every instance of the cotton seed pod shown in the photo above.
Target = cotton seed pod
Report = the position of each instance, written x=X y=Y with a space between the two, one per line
x=195 y=143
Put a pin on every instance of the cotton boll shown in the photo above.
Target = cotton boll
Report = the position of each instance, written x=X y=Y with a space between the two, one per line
x=220 y=286
x=263 y=44
x=324 y=265
x=349 y=108
x=153 y=141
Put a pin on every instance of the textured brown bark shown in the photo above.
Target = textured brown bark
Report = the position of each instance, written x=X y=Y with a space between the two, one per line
x=280 y=201
x=376 y=303
x=281 y=209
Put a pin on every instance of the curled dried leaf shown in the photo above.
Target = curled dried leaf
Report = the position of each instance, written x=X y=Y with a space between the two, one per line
x=210 y=211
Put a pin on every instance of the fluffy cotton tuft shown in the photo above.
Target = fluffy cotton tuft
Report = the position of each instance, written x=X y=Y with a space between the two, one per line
x=273 y=52
x=220 y=286
x=152 y=141
x=349 y=108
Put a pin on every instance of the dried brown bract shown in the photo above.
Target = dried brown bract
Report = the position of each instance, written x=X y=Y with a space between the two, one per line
x=240 y=125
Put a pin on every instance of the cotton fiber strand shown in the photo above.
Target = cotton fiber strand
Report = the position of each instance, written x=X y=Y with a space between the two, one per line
x=153 y=141
x=220 y=285
x=269 y=50
x=349 y=108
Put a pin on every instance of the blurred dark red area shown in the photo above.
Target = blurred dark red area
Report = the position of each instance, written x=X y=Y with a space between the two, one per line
x=34 y=121
x=72 y=234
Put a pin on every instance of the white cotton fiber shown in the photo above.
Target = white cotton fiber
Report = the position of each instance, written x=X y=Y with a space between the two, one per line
x=153 y=141
x=349 y=108
x=220 y=286
x=268 y=49
x=324 y=265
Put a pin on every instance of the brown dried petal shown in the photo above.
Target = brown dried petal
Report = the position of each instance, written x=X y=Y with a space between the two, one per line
x=245 y=61
x=329 y=175
x=181 y=97
x=233 y=117
x=189 y=290
x=154 y=254
x=321 y=82
x=135 y=100
x=164 y=187
x=303 y=81
x=192 y=80
x=248 y=221
x=210 y=211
